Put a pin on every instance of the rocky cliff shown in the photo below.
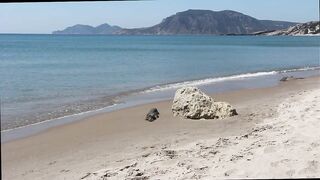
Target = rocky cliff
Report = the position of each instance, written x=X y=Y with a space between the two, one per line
x=310 y=28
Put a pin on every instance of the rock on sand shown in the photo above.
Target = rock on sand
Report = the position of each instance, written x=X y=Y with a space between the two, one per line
x=190 y=102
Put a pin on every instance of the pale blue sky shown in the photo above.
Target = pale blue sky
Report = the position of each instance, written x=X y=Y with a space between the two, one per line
x=47 y=17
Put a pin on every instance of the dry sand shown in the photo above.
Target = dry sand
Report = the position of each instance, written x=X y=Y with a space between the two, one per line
x=275 y=135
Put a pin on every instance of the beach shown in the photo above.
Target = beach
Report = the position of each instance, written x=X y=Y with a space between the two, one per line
x=46 y=77
x=275 y=135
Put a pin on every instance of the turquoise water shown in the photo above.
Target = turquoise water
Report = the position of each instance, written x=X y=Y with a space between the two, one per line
x=48 y=76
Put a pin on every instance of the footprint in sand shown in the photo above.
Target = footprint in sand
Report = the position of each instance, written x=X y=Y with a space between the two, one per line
x=51 y=163
x=65 y=170
x=148 y=147
x=146 y=155
x=129 y=166
x=285 y=160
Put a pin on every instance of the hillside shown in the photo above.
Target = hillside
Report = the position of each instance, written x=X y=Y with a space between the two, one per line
x=210 y=22
x=190 y=22
x=86 y=29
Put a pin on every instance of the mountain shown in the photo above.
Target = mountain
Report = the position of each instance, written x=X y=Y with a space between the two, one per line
x=310 y=28
x=86 y=29
x=106 y=29
x=191 y=22
x=210 y=22
x=76 y=29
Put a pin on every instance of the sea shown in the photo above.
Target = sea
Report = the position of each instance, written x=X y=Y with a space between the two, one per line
x=50 y=78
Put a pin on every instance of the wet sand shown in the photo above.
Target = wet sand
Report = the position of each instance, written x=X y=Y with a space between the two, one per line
x=121 y=144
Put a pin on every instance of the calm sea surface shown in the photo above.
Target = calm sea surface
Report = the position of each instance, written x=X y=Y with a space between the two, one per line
x=48 y=76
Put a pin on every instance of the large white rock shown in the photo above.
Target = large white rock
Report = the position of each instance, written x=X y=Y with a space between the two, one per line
x=190 y=102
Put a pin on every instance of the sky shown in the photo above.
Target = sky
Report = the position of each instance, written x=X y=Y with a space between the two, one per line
x=46 y=17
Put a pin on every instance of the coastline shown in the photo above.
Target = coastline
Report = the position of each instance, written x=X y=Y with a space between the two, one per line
x=74 y=85
x=114 y=139
x=163 y=92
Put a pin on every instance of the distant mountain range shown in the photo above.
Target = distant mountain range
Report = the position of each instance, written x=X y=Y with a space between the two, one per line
x=86 y=29
x=190 y=22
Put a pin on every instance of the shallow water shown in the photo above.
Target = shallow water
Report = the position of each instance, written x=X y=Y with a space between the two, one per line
x=49 y=76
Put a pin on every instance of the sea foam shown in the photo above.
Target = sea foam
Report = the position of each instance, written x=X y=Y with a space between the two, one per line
x=224 y=78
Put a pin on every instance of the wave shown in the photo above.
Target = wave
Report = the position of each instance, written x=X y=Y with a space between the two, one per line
x=224 y=78
x=300 y=69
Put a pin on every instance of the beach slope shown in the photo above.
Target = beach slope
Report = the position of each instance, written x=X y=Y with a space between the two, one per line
x=275 y=135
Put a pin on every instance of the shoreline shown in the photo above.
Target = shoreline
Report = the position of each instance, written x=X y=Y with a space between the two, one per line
x=158 y=93
x=114 y=139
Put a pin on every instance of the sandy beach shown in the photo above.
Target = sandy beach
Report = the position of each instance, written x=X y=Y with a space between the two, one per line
x=275 y=135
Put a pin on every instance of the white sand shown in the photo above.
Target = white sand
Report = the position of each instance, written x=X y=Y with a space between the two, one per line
x=275 y=135
x=286 y=145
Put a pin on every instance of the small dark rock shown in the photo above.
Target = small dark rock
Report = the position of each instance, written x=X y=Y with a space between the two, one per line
x=152 y=115
x=286 y=78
